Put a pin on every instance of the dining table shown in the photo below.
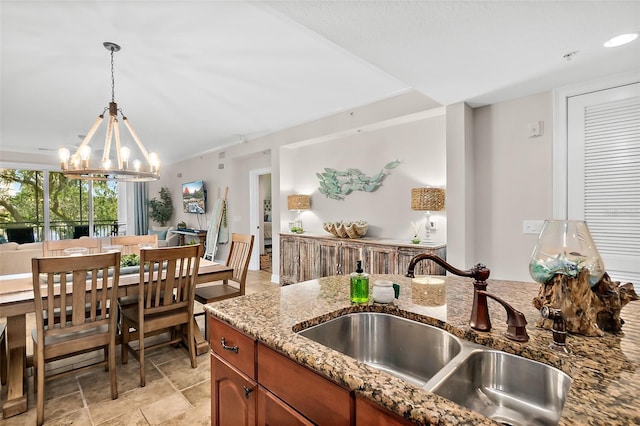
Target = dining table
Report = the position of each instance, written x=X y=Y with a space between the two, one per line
x=17 y=300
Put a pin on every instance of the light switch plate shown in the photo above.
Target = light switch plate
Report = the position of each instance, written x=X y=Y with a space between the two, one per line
x=532 y=226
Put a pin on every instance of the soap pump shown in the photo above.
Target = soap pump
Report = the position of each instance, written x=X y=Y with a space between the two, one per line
x=359 y=284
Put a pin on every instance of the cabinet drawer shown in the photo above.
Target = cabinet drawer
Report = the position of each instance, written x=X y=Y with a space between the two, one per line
x=320 y=400
x=240 y=349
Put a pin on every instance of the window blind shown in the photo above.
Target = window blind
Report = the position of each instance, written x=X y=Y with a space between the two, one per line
x=612 y=183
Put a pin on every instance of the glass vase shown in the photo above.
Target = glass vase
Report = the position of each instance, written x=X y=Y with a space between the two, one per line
x=565 y=247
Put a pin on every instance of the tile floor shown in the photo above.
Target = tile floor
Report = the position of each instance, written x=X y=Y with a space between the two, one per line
x=175 y=393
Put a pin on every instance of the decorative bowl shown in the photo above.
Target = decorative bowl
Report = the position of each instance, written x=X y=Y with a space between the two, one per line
x=342 y=229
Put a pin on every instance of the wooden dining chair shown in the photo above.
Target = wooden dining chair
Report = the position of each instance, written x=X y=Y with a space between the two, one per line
x=57 y=247
x=238 y=258
x=131 y=243
x=165 y=301
x=63 y=286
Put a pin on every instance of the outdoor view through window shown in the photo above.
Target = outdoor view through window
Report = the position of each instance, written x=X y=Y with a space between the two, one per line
x=22 y=218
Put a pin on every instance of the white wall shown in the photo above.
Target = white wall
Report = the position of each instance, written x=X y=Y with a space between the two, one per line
x=513 y=182
x=265 y=152
x=495 y=175
x=420 y=148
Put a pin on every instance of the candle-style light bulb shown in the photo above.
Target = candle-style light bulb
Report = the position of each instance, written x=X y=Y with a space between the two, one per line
x=124 y=155
x=85 y=153
x=136 y=165
x=154 y=162
x=64 y=154
x=106 y=163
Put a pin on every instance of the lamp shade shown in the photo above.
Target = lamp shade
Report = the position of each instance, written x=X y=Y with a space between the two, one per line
x=427 y=199
x=298 y=202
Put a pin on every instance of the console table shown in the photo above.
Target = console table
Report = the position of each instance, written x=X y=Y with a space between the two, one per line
x=309 y=256
x=202 y=235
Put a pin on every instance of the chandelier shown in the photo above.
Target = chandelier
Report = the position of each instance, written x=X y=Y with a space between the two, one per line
x=78 y=165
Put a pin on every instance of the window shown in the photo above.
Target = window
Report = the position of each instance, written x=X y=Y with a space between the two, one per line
x=72 y=208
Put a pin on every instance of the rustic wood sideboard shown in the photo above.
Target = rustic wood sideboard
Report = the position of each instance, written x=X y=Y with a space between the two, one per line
x=309 y=256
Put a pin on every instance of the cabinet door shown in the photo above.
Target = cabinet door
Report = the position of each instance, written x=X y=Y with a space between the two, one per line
x=318 y=399
x=289 y=259
x=233 y=396
x=328 y=258
x=368 y=414
x=308 y=259
x=274 y=412
x=351 y=253
x=382 y=259
x=424 y=267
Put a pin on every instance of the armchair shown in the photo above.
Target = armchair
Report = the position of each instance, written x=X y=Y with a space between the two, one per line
x=166 y=238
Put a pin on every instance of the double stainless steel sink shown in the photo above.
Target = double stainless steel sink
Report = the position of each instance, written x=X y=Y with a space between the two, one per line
x=506 y=388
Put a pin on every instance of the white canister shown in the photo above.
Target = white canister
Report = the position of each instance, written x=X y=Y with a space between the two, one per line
x=383 y=291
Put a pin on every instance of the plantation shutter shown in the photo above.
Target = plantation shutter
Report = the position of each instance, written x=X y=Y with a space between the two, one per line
x=604 y=175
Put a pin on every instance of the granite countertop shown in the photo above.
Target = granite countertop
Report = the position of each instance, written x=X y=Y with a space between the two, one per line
x=605 y=370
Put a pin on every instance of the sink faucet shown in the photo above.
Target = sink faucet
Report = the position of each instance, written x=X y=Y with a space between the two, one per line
x=516 y=321
x=559 y=328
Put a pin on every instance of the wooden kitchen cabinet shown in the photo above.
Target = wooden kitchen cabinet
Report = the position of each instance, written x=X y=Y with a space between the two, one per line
x=318 y=399
x=307 y=256
x=272 y=411
x=233 y=395
x=255 y=385
x=369 y=414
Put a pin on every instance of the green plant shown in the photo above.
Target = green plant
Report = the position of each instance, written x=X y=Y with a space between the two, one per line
x=129 y=260
x=161 y=210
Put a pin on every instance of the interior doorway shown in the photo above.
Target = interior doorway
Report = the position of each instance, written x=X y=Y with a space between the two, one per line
x=261 y=216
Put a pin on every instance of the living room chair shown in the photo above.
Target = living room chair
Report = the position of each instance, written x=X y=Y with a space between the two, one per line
x=63 y=285
x=238 y=259
x=20 y=235
x=171 y=271
x=131 y=243
x=57 y=247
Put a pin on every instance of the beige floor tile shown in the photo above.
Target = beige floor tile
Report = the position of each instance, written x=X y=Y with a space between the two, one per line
x=130 y=401
x=63 y=386
x=198 y=416
x=199 y=394
x=166 y=409
x=62 y=407
x=180 y=373
x=131 y=418
x=96 y=383
x=79 y=418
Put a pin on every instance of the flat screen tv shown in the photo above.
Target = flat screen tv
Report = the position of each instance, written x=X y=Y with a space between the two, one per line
x=194 y=197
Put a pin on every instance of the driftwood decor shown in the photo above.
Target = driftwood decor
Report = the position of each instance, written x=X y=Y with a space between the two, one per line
x=337 y=184
x=587 y=310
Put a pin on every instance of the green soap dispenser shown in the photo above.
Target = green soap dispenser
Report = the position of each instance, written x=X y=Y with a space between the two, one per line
x=359 y=285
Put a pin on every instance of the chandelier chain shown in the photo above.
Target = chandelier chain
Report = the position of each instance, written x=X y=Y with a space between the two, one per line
x=113 y=81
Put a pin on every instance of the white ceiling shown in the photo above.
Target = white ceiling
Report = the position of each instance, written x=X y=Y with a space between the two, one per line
x=195 y=76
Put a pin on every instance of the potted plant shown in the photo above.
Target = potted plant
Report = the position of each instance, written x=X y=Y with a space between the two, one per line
x=161 y=210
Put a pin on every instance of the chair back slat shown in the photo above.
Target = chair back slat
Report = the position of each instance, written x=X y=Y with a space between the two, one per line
x=169 y=277
x=57 y=247
x=64 y=285
x=239 y=257
x=131 y=243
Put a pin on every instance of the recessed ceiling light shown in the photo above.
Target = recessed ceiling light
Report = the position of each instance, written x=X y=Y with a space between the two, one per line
x=621 y=39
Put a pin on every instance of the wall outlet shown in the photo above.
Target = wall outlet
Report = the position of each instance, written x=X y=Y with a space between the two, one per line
x=532 y=226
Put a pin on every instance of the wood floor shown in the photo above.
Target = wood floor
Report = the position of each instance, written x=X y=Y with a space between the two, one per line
x=175 y=393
